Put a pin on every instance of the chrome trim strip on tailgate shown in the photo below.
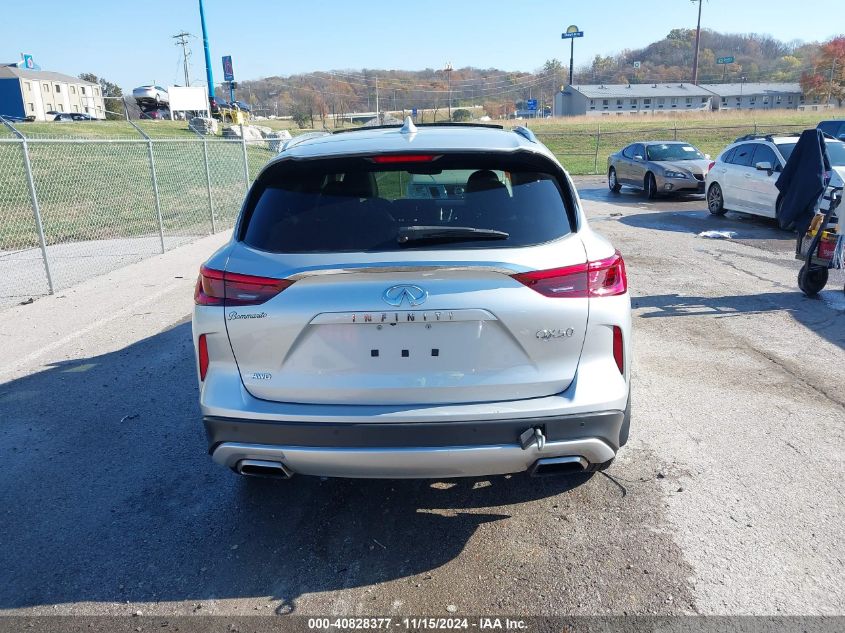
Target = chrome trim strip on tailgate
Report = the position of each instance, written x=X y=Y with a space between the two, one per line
x=409 y=268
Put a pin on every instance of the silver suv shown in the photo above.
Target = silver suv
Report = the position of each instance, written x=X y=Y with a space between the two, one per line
x=414 y=302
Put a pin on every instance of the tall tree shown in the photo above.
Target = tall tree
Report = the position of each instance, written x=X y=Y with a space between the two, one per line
x=827 y=79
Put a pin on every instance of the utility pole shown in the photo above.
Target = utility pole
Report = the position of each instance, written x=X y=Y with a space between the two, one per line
x=448 y=71
x=697 y=41
x=182 y=40
x=378 y=112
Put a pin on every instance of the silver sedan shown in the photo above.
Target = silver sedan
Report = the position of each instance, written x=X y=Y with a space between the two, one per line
x=658 y=167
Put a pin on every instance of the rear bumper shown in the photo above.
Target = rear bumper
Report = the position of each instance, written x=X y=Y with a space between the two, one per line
x=415 y=450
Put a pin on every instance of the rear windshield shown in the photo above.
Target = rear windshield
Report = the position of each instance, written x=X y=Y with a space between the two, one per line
x=357 y=205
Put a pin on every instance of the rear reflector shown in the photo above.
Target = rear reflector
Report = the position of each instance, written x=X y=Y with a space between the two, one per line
x=403 y=158
x=202 y=352
x=600 y=278
x=220 y=288
x=618 y=349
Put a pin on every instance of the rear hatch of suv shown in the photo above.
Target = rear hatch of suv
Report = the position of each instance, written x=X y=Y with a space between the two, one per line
x=353 y=283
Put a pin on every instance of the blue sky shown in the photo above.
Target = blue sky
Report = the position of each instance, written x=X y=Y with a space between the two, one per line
x=130 y=44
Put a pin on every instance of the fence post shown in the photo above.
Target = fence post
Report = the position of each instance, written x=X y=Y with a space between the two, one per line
x=155 y=192
x=208 y=186
x=598 y=140
x=675 y=123
x=246 y=160
x=36 y=211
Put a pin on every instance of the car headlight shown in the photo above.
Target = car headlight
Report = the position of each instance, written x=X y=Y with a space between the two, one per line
x=674 y=174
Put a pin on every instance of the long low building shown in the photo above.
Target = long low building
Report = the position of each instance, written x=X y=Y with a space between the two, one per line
x=28 y=93
x=636 y=99
x=756 y=96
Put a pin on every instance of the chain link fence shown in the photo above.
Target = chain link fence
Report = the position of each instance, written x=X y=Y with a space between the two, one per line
x=586 y=152
x=72 y=208
x=76 y=206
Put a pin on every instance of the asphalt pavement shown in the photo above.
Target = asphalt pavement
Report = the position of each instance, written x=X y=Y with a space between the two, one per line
x=728 y=498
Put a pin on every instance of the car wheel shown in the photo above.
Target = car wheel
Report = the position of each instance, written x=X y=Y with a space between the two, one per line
x=612 y=182
x=786 y=226
x=715 y=200
x=811 y=280
x=650 y=187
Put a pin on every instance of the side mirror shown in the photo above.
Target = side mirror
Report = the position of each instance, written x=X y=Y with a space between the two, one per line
x=764 y=166
x=707 y=157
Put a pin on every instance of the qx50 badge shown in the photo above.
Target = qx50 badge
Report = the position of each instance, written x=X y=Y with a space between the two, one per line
x=546 y=335
x=396 y=295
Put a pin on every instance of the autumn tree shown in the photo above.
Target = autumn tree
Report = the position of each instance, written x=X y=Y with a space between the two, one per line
x=827 y=79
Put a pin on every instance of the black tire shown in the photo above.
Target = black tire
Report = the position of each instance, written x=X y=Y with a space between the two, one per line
x=612 y=182
x=650 y=186
x=790 y=226
x=716 y=200
x=812 y=280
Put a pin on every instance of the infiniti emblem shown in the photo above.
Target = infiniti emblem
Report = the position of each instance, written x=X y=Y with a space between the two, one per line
x=395 y=295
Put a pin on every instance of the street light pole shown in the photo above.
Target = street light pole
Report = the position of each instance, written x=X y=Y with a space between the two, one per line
x=697 y=41
x=208 y=73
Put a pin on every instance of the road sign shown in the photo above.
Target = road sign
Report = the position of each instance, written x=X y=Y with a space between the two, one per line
x=532 y=104
x=228 y=71
x=637 y=64
x=569 y=35
x=725 y=60
x=414 y=112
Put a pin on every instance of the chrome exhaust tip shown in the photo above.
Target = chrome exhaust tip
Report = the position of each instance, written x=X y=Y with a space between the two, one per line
x=263 y=468
x=550 y=466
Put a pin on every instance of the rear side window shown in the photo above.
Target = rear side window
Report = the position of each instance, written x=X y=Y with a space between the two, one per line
x=728 y=156
x=743 y=154
x=357 y=205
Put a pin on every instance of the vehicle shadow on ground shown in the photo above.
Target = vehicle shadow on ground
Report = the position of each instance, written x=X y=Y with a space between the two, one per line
x=633 y=197
x=744 y=227
x=109 y=496
x=812 y=313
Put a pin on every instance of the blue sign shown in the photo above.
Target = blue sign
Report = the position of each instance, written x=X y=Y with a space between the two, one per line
x=414 y=113
x=27 y=61
x=228 y=71
x=569 y=36
x=532 y=104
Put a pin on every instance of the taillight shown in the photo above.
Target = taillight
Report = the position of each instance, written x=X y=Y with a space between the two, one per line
x=601 y=278
x=202 y=351
x=217 y=288
x=711 y=166
x=618 y=349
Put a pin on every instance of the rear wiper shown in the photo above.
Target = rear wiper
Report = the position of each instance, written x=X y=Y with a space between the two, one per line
x=408 y=234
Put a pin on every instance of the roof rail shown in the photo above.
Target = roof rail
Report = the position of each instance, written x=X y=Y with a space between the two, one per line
x=525 y=133
x=765 y=137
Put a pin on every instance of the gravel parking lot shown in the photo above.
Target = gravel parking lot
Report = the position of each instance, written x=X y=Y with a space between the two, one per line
x=727 y=500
